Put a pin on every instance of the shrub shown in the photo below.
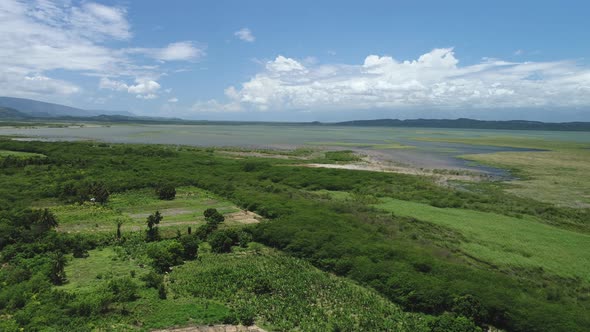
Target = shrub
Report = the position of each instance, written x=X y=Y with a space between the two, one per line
x=123 y=289
x=190 y=244
x=450 y=323
x=152 y=279
x=165 y=254
x=166 y=192
x=220 y=242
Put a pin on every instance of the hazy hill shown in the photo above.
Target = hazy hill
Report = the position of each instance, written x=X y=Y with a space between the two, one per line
x=470 y=123
x=41 y=109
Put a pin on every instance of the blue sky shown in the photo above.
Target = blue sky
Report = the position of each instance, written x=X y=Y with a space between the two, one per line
x=302 y=60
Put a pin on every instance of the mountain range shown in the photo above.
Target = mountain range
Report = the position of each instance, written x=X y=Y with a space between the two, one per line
x=21 y=109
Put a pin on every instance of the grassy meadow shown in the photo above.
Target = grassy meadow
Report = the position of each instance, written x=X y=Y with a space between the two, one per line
x=506 y=242
x=134 y=206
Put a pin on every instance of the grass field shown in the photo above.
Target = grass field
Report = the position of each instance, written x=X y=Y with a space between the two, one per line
x=507 y=242
x=19 y=154
x=132 y=207
x=88 y=277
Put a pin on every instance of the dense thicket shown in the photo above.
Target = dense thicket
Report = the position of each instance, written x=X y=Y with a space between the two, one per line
x=346 y=238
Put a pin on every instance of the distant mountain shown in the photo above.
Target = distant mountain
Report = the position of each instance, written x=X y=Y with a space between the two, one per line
x=470 y=124
x=12 y=114
x=41 y=109
x=33 y=110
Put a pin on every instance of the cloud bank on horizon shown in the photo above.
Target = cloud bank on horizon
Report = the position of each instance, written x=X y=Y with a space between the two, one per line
x=434 y=80
x=65 y=50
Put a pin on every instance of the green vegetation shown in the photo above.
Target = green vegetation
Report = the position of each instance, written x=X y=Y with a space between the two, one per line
x=560 y=175
x=420 y=264
x=285 y=294
x=19 y=154
x=506 y=242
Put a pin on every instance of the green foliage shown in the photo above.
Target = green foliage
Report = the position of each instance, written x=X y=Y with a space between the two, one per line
x=342 y=156
x=165 y=254
x=162 y=294
x=212 y=216
x=99 y=192
x=152 y=221
x=408 y=261
x=221 y=241
x=152 y=279
x=57 y=273
x=166 y=192
x=451 y=323
x=286 y=294
x=123 y=289
x=190 y=245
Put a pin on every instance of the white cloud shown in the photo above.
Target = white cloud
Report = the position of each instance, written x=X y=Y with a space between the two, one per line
x=148 y=96
x=173 y=100
x=180 y=51
x=245 y=34
x=40 y=36
x=34 y=85
x=143 y=88
x=106 y=83
x=433 y=81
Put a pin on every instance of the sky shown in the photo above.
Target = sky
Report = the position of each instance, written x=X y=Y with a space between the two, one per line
x=302 y=60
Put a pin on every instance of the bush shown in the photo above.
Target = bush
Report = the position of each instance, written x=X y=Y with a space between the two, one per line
x=123 y=289
x=220 y=242
x=152 y=280
x=166 y=192
x=449 y=323
x=190 y=244
x=165 y=254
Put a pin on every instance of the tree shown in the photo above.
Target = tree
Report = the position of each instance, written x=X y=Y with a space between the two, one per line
x=469 y=306
x=220 y=242
x=99 y=192
x=165 y=254
x=119 y=224
x=190 y=244
x=123 y=289
x=57 y=272
x=166 y=192
x=212 y=216
x=448 y=322
x=44 y=220
x=152 y=222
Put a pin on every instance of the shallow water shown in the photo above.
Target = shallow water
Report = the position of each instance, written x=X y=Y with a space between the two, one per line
x=421 y=154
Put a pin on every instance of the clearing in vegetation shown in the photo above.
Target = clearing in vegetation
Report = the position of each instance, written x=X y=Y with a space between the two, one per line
x=134 y=206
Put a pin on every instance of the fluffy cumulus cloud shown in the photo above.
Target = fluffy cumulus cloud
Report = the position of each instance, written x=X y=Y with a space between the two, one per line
x=41 y=36
x=245 y=34
x=434 y=81
x=143 y=88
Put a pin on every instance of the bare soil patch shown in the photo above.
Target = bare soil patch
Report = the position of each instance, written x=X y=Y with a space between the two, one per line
x=243 y=217
x=368 y=163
